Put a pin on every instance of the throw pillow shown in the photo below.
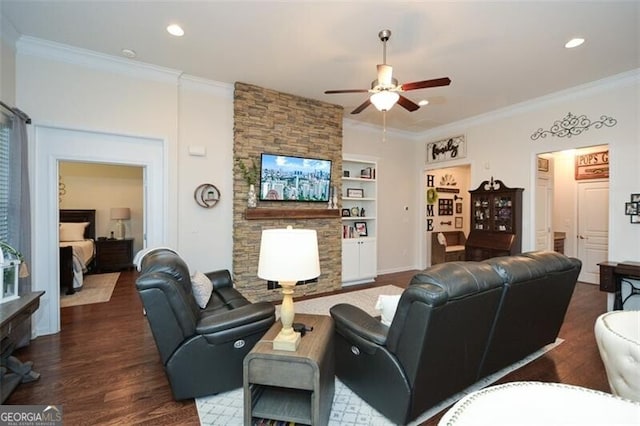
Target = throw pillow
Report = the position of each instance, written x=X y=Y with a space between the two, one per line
x=387 y=305
x=202 y=288
x=72 y=231
x=442 y=239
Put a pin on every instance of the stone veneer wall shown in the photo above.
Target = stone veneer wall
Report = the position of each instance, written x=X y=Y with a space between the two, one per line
x=279 y=123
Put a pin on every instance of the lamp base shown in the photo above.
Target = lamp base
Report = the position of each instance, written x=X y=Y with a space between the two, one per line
x=286 y=342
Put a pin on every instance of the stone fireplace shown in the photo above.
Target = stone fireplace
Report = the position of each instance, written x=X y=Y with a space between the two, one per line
x=279 y=123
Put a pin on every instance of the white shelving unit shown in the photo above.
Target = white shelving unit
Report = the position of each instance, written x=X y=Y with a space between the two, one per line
x=359 y=224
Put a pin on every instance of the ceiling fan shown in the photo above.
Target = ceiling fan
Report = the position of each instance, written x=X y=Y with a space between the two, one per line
x=385 y=91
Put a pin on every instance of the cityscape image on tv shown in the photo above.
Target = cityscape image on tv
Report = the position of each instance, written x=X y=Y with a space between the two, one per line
x=287 y=178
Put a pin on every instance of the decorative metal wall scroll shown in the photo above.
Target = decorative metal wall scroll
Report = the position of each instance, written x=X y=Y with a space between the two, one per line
x=447 y=149
x=206 y=195
x=572 y=125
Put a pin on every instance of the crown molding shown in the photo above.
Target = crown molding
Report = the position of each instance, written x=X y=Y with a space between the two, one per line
x=624 y=79
x=203 y=85
x=32 y=46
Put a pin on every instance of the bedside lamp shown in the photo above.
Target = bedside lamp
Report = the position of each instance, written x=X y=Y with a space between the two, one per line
x=288 y=256
x=120 y=214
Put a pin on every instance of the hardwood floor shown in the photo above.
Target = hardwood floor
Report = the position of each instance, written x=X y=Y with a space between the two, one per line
x=104 y=368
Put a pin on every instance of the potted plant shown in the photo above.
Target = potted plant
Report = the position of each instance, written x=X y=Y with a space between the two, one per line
x=251 y=175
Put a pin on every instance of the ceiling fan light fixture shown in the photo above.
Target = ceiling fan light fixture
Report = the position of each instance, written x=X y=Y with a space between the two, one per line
x=384 y=100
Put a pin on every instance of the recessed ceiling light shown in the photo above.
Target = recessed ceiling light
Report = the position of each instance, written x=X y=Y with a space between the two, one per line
x=574 y=42
x=175 y=30
x=423 y=102
x=128 y=53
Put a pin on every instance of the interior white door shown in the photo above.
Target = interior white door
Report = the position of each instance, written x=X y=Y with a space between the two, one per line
x=593 y=228
x=543 y=214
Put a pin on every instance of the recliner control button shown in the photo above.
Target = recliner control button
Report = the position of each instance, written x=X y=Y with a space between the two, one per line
x=238 y=344
x=355 y=350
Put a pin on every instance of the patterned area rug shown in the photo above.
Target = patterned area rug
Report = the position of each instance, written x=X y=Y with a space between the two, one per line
x=95 y=289
x=348 y=409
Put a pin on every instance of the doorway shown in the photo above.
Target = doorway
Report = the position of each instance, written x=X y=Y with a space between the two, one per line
x=577 y=210
x=53 y=145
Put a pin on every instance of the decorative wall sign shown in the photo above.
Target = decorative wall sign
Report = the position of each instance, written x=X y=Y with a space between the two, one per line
x=447 y=149
x=594 y=165
x=572 y=125
x=543 y=164
x=450 y=190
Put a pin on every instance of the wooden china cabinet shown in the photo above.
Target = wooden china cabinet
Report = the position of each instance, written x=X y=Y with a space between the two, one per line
x=496 y=221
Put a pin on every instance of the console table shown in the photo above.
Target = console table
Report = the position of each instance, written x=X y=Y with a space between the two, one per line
x=611 y=276
x=291 y=386
x=12 y=315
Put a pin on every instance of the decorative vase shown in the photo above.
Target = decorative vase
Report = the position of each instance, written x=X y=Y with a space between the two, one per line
x=252 y=201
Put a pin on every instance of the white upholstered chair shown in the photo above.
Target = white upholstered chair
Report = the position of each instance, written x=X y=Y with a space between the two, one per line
x=618 y=337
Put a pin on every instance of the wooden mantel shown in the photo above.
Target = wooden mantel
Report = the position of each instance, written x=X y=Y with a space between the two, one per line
x=267 y=213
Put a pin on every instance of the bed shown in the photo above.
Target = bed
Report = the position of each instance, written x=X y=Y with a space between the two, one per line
x=76 y=252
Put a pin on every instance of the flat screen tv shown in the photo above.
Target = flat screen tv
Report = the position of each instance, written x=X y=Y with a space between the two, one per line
x=287 y=178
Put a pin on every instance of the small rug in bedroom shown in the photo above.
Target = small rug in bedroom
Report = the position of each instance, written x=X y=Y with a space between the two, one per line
x=95 y=289
x=348 y=409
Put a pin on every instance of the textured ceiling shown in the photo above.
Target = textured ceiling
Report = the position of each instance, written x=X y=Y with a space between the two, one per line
x=496 y=53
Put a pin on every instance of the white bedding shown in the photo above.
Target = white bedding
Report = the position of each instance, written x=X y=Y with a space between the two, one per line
x=83 y=252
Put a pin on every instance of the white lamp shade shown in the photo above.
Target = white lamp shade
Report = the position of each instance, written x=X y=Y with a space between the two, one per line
x=384 y=100
x=289 y=255
x=120 y=213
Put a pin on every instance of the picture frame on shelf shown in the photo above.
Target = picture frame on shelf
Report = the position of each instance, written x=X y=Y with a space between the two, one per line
x=365 y=173
x=346 y=213
x=355 y=193
x=355 y=211
x=361 y=229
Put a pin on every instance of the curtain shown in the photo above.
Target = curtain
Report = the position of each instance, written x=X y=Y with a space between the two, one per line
x=19 y=199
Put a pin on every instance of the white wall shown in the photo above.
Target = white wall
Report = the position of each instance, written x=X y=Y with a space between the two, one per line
x=8 y=37
x=67 y=88
x=499 y=145
x=116 y=96
x=398 y=208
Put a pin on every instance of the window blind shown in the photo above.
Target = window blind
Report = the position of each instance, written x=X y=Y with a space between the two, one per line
x=5 y=133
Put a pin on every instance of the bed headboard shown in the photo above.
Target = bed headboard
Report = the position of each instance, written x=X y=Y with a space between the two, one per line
x=81 y=216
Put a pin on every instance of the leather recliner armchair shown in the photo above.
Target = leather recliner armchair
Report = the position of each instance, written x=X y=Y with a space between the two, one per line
x=202 y=350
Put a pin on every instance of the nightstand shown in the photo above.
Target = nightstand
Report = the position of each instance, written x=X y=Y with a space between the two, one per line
x=114 y=255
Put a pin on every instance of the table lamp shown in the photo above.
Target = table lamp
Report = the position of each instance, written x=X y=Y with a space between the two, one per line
x=120 y=214
x=288 y=256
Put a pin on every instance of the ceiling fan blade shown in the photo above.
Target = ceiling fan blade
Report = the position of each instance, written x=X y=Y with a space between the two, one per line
x=407 y=104
x=331 y=92
x=361 y=107
x=436 y=82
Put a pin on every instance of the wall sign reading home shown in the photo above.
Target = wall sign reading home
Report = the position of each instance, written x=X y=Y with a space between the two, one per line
x=446 y=149
x=286 y=178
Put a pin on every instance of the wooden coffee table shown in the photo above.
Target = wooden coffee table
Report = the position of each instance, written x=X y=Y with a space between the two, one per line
x=291 y=386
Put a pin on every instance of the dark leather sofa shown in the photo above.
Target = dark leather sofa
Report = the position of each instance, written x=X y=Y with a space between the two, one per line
x=202 y=350
x=455 y=323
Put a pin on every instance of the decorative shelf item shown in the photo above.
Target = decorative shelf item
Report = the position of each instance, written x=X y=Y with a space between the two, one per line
x=206 y=195
x=269 y=213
